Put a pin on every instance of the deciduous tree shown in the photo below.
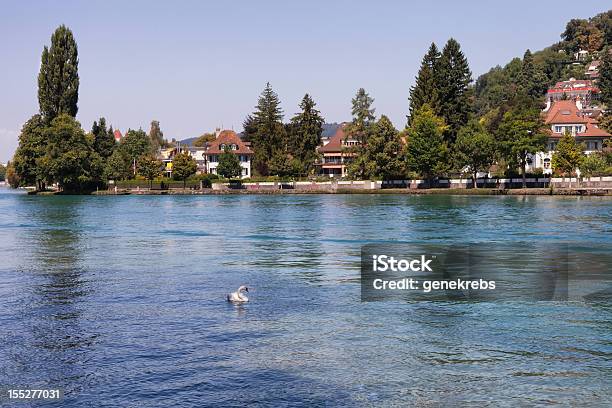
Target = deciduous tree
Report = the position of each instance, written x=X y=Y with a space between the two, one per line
x=474 y=149
x=229 y=164
x=568 y=156
x=183 y=167
x=150 y=168
x=427 y=152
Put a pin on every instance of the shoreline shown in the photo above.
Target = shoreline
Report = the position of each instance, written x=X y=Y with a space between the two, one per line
x=601 y=192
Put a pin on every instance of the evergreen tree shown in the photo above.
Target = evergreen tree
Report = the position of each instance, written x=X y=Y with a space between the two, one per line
x=426 y=150
x=270 y=135
x=229 y=164
x=384 y=152
x=425 y=88
x=605 y=79
x=522 y=133
x=32 y=147
x=454 y=77
x=104 y=140
x=183 y=167
x=474 y=149
x=249 y=128
x=305 y=134
x=58 y=80
x=359 y=129
x=156 y=136
x=568 y=156
x=149 y=168
x=532 y=80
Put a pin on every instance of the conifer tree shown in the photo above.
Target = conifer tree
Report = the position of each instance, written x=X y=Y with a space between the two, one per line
x=532 y=79
x=454 y=77
x=305 y=133
x=58 y=80
x=270 y=136
x=104 y=140
x=359 y=129
x=425 y=88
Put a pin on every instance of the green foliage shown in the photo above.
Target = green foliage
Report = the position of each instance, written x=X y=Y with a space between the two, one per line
x=384 y=158
x=149 y=168
x=104 y=140
x=474 y=149
x=118 y=166
x=281 y=164
x=359 y=129
x=591 y=35
x=156 y=136
x=2 y=172
x=605 y=82
x=568 y=155
x=305 y=135
x=533 y=81
x=521 y=133
x=11 y=176
x=32 y=147
x=229 y=164
x=183 y=167
x=134 y=144
x=454 y=77
x=595 y=164
x=70 y=159
x=58 y=80
x=270 y=133
x=249 y=128
x=425 y=89
x=202 y=140
x=426 y=150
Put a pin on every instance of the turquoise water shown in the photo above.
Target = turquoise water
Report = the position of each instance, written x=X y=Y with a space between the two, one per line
x=119 y=301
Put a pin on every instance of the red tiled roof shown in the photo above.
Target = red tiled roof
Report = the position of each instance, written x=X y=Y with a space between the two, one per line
x=335 y=142
x=228 y=138
x=117 y=134
x=594 y=131
x=566 y=111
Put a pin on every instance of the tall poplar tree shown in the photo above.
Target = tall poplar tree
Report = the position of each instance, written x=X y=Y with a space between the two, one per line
x=156 y=136
x=425 y=89
x=454 y=78
x=58 y=80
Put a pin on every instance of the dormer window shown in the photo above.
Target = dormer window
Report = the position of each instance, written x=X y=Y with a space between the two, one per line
x=234 y=147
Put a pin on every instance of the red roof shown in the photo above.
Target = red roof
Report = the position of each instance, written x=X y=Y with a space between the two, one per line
x=228 y=138
x=117 y=134
x=574 y=85
x=565 y=111
x=335 y=142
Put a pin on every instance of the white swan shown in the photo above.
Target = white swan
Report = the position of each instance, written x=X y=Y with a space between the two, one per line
x=238 y=296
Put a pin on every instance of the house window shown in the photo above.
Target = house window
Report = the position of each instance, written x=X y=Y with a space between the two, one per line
x=234 y=147
x=222 y=146
x=547 y=163
x=591 y=145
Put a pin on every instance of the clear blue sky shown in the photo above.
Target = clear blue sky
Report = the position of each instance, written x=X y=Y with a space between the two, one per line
x=195 y=65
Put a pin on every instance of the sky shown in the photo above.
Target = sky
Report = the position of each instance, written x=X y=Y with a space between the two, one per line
x=198 y=65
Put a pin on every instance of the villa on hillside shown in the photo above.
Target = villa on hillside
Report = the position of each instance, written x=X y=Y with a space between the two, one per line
x=568 y=116
x=584 y=90
x=336 y=153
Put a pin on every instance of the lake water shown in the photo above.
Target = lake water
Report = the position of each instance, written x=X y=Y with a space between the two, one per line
x=120 y=302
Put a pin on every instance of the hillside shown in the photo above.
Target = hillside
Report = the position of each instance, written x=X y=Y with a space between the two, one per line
x=583 y=41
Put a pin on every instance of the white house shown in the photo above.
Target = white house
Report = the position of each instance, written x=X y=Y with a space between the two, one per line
x=208 y=157
x=568 y=116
